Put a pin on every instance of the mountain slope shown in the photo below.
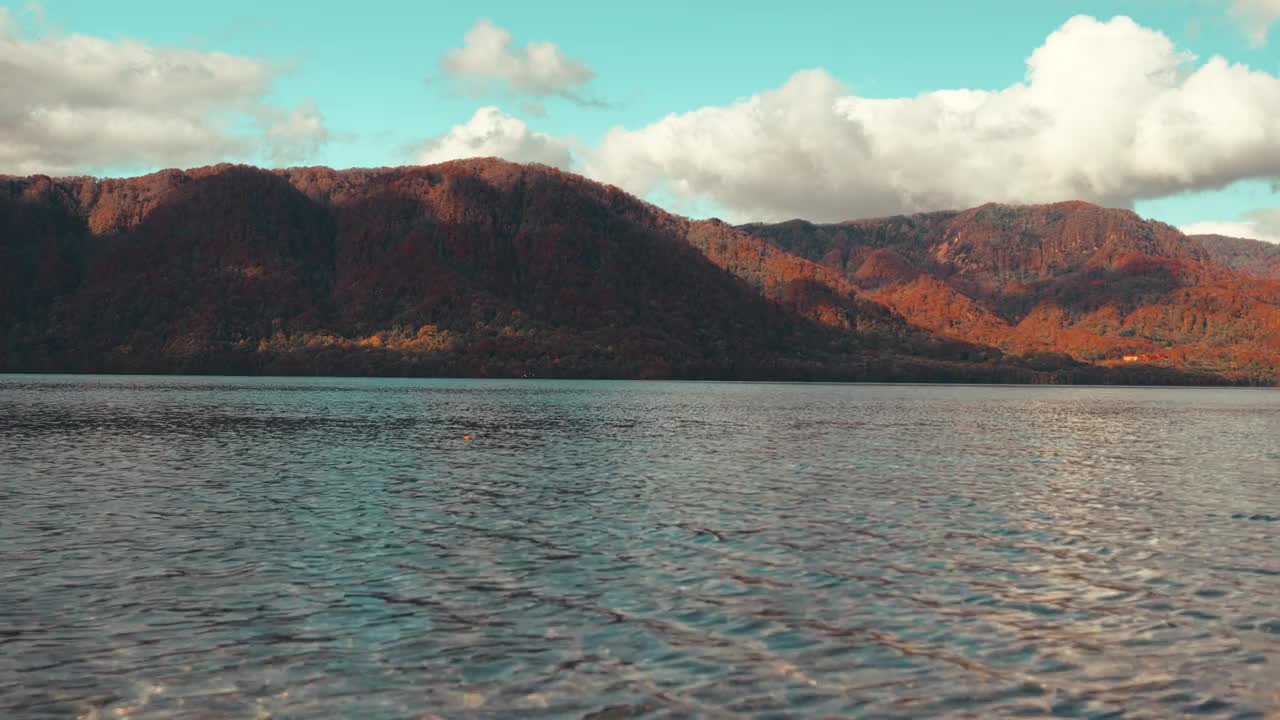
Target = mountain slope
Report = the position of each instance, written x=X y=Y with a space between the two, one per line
x=1095 y=283
x=1250 y=257
x=468 y=268
x=238 y=266
x=483 y=267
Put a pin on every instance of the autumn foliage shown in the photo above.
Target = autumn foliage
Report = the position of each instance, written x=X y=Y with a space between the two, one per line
x=1074 y=279
x=487 y=268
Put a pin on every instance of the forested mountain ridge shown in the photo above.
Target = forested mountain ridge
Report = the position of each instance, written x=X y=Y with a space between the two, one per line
x=488 y=268
x=1094 y=283
x=1249 y=257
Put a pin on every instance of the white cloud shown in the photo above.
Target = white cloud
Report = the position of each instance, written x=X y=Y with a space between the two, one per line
x=1259 y=225
x=1109 y=112
x=77 y=103
x=487 y=61
x=1256 y=16
x=493 y=133
x=294 y=135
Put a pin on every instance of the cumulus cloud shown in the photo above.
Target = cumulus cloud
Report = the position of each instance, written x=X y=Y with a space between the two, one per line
x=293 y=135
x=1261 y=224
x=77 y=103
x=1109 y=112
x=1256 y=16
x=488 y=61
x=493 y=133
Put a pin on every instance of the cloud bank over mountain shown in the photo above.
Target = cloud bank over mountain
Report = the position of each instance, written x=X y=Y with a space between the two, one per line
x=493 y=133
x=1109 y=112
x=75 y=103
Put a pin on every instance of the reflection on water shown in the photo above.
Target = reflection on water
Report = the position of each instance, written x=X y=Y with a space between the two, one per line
x=192 y=548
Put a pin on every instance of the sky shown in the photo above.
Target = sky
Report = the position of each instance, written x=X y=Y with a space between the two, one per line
x=741 y=110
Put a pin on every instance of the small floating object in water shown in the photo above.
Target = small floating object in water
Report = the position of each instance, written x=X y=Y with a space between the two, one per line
x=467 y=438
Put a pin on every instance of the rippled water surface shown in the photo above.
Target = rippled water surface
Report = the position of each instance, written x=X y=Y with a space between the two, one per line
x=328 y=548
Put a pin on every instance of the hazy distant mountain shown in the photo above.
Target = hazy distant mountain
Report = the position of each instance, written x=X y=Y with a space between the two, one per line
x=1251 y=257
x=483 y=267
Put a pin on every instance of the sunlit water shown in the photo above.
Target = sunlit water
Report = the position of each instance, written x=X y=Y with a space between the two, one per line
x=320 y=548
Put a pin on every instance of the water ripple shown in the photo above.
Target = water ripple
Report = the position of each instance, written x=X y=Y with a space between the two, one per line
x=203 y=547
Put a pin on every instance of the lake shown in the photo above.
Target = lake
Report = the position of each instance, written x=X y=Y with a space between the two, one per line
x=332 y=548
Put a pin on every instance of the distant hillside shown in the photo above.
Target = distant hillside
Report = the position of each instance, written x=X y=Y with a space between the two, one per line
x=1097 y=284
x=1251 y=257
x=487 y=268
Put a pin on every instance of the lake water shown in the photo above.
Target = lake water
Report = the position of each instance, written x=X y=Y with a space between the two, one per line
x=334 y=548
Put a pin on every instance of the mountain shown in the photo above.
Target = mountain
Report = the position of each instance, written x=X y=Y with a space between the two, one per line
x=487 y=268
x=1250 y=257
x=469 y=268
x=421 y=270
x=1093 y=283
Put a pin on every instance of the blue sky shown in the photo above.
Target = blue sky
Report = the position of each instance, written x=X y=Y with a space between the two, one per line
x=371 y=73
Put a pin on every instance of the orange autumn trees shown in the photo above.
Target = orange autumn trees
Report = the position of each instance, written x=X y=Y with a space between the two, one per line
x=488 y=268
x=1089 y=282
